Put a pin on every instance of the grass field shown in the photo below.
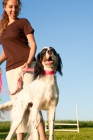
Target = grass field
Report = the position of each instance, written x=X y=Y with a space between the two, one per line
x=85 y=131
x=84 y=134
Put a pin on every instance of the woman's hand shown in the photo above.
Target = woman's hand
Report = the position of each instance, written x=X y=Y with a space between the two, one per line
x=23 y=68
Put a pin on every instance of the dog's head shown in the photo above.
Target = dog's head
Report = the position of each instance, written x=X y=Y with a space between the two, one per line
x=48 y=59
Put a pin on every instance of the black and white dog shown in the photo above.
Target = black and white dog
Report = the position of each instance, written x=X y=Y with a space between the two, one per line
x=43 y=93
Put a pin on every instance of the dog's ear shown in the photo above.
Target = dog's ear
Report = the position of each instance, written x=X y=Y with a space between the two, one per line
x=38 y=70
x=60 y=65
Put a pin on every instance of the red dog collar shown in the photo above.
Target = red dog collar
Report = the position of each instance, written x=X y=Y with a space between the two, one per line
x=49 y=72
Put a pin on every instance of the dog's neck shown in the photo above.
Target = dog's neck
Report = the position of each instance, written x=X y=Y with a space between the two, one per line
x=46 y=72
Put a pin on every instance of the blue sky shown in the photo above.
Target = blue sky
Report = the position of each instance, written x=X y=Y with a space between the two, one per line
x=66 y=25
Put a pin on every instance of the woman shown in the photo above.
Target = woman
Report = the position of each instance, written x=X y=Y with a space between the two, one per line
x=15 y=33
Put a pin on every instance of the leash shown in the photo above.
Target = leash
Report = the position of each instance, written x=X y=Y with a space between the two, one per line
x=18 y=82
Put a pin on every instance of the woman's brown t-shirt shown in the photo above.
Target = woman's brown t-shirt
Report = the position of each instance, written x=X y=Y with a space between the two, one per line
x=15 y=43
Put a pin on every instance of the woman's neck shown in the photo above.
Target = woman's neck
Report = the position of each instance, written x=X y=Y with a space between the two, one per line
x=12 y=20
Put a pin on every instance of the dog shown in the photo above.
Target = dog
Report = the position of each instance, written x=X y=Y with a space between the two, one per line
x=41 y=94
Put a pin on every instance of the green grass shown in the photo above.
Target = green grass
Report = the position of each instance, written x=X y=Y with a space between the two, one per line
x=84 y=134
x=86 y=131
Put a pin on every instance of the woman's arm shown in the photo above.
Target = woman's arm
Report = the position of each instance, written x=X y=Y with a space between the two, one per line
x=2 y=57
x=33 y=48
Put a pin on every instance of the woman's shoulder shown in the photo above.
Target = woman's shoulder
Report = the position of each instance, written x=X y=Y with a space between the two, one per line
x=23 y=19
x=25 y=25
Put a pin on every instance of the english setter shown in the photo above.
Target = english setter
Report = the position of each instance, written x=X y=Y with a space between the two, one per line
x=43 y=93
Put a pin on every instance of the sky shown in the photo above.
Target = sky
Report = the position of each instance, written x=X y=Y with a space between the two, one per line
x=66 y=25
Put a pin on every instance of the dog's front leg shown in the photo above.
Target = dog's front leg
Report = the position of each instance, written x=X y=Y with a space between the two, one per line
x=32 y=124
x=51 y=118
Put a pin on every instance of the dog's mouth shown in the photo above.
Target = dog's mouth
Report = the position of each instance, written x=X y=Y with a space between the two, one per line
x=49 y=61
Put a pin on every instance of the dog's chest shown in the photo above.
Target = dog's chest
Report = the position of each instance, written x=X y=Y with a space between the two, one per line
x=49 y=92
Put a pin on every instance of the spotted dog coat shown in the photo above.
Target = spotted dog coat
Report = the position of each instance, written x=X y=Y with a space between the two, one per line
x=41 y=94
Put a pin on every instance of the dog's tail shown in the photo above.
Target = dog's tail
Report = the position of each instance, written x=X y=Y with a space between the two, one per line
x=5 y=107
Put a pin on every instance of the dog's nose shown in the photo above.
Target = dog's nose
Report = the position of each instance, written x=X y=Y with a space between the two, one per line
x=49 y=52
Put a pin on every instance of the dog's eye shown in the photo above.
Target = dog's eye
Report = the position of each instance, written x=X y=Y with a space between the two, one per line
x=44 y=51
x=53 y=50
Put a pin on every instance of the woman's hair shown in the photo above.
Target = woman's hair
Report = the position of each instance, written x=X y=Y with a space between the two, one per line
x=4 y=20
